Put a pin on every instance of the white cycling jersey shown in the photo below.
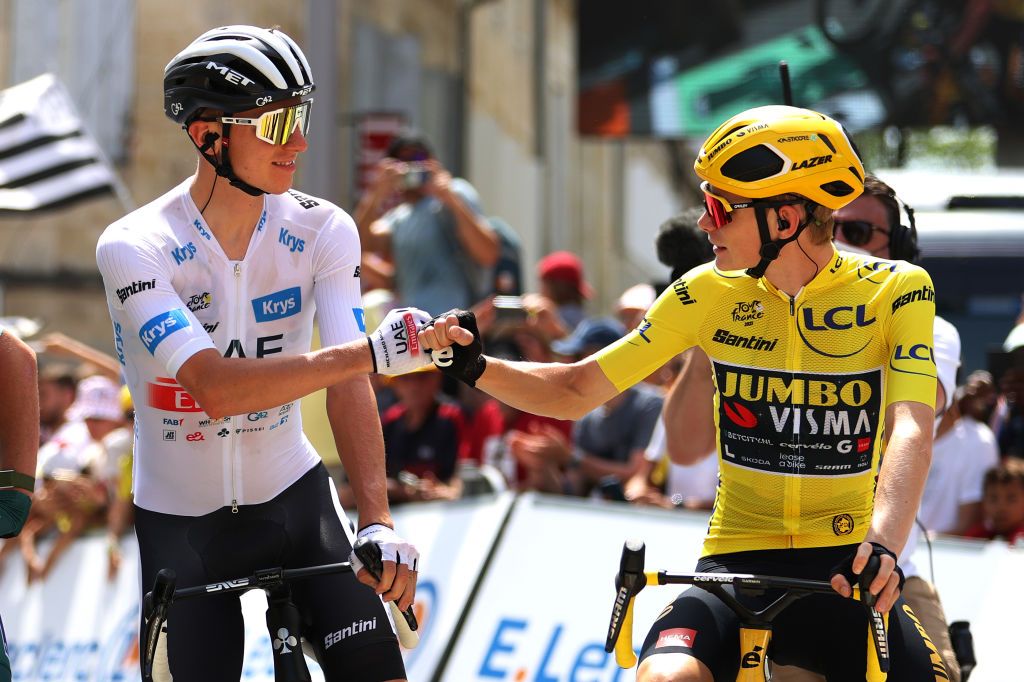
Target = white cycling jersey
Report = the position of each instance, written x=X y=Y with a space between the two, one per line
x=172 y=292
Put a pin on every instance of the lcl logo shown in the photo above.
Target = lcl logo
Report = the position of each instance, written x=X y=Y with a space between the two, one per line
x=839 y=318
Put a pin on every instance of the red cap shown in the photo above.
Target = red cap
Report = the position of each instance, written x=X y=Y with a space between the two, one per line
x=564 y=266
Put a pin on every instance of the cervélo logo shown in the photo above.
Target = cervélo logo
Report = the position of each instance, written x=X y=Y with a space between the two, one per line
x=160 y=327
x=278 y=305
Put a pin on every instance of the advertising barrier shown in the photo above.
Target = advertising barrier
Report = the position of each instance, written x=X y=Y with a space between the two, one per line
x=537 y=612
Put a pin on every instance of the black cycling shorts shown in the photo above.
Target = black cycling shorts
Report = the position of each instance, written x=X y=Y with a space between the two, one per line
x=823 y=633
x=298 y=528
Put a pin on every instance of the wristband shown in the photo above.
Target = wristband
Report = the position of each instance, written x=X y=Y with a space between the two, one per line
x=15 y=479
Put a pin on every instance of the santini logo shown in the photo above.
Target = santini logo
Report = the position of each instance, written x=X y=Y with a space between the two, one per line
x=356 y=628
x=160 y=327
x=925 y=293
x=135 y=287
x=751 y=342
x=278 y=305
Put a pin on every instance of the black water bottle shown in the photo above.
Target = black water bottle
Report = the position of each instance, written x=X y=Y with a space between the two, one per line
x=963 y=646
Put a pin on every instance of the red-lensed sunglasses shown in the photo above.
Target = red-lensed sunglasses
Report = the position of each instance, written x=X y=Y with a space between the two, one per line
x=718 y=207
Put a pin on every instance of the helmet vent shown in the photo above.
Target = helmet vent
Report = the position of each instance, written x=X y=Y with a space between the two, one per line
x=751 y=165
x=837 y=188
x=828 y=142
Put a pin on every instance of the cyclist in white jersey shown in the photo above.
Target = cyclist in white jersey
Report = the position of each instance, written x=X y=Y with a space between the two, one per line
x=212 y=289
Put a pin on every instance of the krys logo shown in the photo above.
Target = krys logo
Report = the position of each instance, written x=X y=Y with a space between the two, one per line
x=291 y=241
x=842 y=327
x=160 y=327
x=183 y=253
x=278 y=305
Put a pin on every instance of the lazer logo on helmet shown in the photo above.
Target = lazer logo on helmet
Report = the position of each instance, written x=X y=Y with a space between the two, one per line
x=278 y=305
x=160 y=327
x=230 y=75
x=813 y=161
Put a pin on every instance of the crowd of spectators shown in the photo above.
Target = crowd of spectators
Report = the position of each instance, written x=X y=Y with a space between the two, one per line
x=445 y=440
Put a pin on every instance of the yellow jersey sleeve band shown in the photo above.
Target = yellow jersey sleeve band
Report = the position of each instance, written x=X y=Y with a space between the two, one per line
x=802 y=385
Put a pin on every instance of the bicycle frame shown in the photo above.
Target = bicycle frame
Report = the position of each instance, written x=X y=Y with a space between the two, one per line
x=755 y=626
x=283 y=618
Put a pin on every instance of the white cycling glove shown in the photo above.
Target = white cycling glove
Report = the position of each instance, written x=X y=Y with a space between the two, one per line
x=394 y=346
x=392 y=547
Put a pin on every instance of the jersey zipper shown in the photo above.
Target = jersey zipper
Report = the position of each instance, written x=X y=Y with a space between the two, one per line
x=233 y=438
x=791 y=488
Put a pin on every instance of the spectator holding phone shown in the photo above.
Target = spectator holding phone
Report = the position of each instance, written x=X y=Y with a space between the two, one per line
x=437 y=246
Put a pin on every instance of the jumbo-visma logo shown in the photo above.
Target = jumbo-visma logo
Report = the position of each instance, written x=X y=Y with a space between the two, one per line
x=160 y=327
x=278 y=305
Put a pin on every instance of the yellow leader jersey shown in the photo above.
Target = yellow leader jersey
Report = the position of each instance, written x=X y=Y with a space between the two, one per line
x=802 y=384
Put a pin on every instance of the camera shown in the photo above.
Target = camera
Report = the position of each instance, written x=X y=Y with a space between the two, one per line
x=416 y=175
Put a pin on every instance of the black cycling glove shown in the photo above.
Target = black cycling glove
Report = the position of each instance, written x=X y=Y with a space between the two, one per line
x=845 y=567
x=465 y=363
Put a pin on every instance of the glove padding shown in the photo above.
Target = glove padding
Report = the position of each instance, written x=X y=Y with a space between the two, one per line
x=845 y=567
x=392 y=547
x=465 y=363
x=395 y=346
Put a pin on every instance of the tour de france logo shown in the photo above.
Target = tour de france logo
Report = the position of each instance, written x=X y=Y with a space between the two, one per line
x=842 y=524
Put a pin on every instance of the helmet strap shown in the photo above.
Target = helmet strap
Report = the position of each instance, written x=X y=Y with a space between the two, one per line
x=770 y=249
x=222 y=166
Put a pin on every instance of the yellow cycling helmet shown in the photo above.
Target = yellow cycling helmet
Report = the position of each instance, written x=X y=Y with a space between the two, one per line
x=772 y=150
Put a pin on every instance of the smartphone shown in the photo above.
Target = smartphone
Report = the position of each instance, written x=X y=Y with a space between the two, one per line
x=509 y=309
x=416 y=175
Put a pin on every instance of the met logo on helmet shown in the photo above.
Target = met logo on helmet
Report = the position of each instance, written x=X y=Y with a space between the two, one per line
x=230 y=75
x=303 y=92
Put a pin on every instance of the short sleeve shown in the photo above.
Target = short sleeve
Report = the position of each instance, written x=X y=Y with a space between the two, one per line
x=144 y=306
x=912 y=372
x=669 y=328
x=336 y=283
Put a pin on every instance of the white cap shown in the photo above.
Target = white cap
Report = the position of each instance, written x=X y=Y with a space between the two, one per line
x=637 y=297
x=97 y=398
x=1015 y=339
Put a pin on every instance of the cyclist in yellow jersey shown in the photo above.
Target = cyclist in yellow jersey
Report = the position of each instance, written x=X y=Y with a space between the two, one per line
x=822 y=363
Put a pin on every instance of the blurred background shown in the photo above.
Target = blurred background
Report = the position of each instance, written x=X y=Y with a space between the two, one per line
x=577 y=122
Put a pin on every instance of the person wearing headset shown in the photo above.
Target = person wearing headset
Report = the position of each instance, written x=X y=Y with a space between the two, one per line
x=797 y=339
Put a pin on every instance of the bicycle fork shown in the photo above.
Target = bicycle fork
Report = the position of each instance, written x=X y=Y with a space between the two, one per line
x=754 y=641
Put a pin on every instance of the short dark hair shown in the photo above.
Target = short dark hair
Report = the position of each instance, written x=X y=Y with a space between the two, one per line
x=406 y=139
x=60 y=375
x=873 y=187
x=681 y=245
x=1008 y=471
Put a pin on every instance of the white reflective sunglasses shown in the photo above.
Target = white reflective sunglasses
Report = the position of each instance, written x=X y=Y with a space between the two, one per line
x=277 y=126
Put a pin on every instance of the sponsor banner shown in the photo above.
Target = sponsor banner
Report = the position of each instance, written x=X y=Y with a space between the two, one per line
x=543 y=609
x=798 y=422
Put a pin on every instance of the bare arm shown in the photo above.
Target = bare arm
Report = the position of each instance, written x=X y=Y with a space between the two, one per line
x=901 y=481
x=373 y=234
x=908 y=454
x=550 y=389
x=19 y=406
x=228 y=386
x=473 y=231
x=688 y=412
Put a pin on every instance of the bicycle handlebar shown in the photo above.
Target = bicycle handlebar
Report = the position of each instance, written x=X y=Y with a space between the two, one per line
x=620 y=631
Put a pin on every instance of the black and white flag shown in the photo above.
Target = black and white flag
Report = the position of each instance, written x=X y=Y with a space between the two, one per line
x=47 y=160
